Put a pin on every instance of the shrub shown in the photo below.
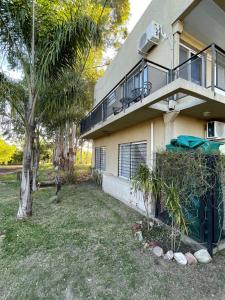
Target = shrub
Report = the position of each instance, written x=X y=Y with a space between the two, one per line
x=6 y=152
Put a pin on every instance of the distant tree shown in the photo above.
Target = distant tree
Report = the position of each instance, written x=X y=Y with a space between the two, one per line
x=6 y=152
x=43 y=39
x=49 y=41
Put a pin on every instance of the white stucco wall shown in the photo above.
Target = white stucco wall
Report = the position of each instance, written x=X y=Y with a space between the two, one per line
x=120 y=189
x=165 y=12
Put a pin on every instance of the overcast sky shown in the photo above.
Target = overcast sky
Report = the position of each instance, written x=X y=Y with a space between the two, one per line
x=137 y=8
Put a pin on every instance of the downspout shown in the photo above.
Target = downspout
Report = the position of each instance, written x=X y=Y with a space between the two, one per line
x=152 y=146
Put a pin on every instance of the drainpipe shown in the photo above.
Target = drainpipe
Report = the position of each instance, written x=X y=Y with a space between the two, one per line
x=152 y=147
x=151 y=166
x=213 y=75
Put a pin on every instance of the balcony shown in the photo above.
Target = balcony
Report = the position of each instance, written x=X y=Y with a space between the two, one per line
x=206 y=68
x=147 y=80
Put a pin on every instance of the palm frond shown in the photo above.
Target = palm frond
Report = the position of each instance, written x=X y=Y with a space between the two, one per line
x=67 y=43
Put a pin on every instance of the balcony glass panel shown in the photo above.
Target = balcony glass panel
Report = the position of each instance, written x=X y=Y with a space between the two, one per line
x=137 y=84
x=220 y=72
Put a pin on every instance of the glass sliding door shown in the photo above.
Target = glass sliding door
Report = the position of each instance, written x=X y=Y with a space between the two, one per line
x=193 y=70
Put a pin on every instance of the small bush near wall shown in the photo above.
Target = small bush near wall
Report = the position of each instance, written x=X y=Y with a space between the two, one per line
x=188 y=182
x=97 y=177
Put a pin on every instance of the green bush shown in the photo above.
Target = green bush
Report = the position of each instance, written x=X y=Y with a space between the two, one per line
x=6 y=152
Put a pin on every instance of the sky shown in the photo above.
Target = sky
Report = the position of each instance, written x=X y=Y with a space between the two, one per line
x=137 y=8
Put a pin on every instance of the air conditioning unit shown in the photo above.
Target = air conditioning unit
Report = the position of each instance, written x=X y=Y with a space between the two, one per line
x=149 y=38
x=215 y=130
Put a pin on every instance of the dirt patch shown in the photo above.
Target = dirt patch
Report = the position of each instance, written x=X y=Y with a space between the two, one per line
x=9 y=170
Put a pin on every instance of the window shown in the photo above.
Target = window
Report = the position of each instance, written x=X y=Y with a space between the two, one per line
x=193 y=70
x=130 y=85
x=136 y=80
x=131 y=155
x=220 y=71
x=100 y=158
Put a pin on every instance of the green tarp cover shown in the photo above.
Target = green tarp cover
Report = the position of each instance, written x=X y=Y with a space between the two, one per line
x=187 y=142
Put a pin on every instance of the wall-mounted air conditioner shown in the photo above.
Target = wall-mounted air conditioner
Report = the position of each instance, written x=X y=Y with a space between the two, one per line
x=215 y=130
x=149 y=38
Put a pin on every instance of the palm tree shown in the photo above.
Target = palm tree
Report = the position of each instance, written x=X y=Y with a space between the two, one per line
x=43 y=41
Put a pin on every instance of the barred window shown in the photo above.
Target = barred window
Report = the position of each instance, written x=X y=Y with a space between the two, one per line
x=100 y=158
x=131 y=155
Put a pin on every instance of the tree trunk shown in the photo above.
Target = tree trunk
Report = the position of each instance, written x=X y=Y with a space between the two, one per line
x=61 y=145
x=87 y=153
x=56 y=154
x=71 y=156
x=66 y=147
x=36 y=159
x=81 y=153
x=25 y=202
x=76 y=144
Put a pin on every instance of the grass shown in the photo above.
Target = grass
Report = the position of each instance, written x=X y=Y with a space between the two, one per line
x=83 y=248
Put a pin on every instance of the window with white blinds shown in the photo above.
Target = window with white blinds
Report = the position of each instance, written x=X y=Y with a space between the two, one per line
x=131 y=155
x=100 y=158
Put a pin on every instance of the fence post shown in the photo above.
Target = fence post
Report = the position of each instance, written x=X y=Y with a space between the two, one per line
x=142 y=79
x=213 y=67
x=203 y=202
x=103 y=111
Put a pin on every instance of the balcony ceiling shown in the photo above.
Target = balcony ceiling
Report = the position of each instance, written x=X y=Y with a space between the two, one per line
x=206 y=22
x=207 y=111
x=126 y=121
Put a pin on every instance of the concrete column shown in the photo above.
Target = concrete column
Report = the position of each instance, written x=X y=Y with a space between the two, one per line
x=177 y=30
x=169 y=119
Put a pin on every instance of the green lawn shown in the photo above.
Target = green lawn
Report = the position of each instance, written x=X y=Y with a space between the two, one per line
x=82 y=248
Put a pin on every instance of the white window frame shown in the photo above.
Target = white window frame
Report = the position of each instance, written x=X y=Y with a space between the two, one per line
x=120 y=157
x=192 y=51
x=102 y=150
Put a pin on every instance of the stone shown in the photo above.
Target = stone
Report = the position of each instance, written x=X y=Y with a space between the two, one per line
x=139 y=236
x=152 y=244
x=139 y=222
x=169 y=255
x=203 y=256
x=146 y=246
x=158 y=251
x=136 y=227
x=2 y=237
x=191 y=259
x=180 y=258
x=151 y=224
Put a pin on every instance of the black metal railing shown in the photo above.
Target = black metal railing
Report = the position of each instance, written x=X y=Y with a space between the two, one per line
x=205 y=68
x=145 y=78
